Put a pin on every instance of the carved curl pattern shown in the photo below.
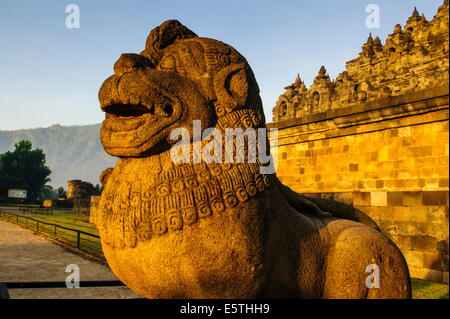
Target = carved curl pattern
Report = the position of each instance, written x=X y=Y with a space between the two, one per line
x=196 y=193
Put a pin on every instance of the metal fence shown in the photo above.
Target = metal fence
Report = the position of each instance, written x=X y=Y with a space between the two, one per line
x=36 y=210
x=79 y=239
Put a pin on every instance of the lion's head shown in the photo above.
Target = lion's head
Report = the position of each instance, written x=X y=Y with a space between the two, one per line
x=178 y=78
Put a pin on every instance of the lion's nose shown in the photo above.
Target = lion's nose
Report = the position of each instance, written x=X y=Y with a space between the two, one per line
x=129 y=62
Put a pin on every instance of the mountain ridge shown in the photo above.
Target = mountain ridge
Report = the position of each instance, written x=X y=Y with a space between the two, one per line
x=72 y=152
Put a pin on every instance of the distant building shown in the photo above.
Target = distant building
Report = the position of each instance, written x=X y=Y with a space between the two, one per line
x=79 y=193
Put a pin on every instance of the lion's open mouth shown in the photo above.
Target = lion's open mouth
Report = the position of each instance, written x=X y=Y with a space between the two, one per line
x=136 y=110
x=128 y=110
x=126 y=117
x=131 y=129
x=139 y=112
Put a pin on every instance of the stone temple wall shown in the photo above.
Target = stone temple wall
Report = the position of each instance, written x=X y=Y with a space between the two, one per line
x=388 y=157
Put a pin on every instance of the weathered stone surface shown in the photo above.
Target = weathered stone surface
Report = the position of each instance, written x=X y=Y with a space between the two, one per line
x=395 y=143
x=218 y=230
x=78 y=189
x=432 y=261
x=427 y=274
x=445 y=277
x=412 y=59
x=424 y=243
x=378 y=199
x=435 y=198
x=93 y=209
x=79 y=194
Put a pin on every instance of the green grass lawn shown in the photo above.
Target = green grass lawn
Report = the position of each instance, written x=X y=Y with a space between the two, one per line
x=69 y=220
x=422 y=289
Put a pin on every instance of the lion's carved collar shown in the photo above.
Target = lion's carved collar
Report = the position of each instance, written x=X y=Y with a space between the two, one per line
x=152 y=196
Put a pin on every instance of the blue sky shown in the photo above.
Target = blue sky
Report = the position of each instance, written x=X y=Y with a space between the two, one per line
x=51 y=74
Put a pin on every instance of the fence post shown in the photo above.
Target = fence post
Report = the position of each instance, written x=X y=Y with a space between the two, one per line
x=26 y=222
x=37 y=226
x=78 y=240
x=17 y=219
x=55 y=229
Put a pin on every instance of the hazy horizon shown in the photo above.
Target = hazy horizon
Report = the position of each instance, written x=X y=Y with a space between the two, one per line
x=51 y=74
x=49 y=126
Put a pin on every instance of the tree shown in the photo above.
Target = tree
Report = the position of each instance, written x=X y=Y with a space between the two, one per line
x=98 y=189
x=24 y=168
x=61 y=192
x=47 y=192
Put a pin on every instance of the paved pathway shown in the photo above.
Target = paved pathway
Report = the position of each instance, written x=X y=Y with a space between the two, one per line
x=25 y=256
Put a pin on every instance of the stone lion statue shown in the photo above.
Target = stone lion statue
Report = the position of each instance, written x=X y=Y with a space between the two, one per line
x=217 y=229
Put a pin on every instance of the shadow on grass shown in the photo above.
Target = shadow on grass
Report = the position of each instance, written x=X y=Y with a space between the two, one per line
x=423 y=289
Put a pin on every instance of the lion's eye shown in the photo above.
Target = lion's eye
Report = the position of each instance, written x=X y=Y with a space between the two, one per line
x=168 y=63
